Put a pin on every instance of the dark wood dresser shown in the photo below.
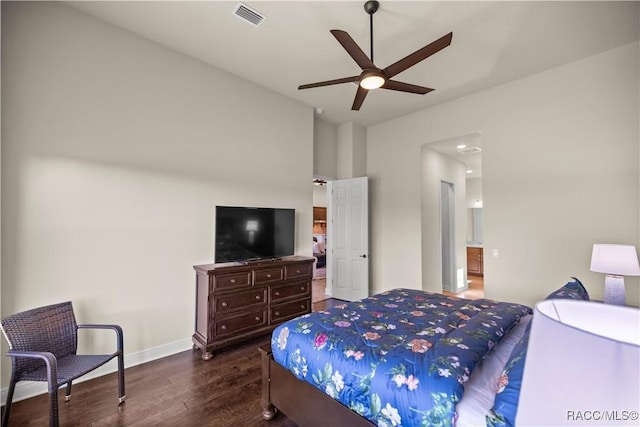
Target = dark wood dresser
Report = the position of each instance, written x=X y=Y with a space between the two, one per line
x=236 y=302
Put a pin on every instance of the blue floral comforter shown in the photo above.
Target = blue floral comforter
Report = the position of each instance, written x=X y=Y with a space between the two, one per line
x=398 y=358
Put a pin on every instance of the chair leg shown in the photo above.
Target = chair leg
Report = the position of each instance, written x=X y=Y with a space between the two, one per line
x=7 y=406
x=121 y=379
x=53 y=416
x=67 y=395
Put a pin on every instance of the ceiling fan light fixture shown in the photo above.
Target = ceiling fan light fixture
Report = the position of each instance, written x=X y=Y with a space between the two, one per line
x=372 y=79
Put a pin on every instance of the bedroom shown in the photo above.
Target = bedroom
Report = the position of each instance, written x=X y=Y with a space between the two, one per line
x=127 y=145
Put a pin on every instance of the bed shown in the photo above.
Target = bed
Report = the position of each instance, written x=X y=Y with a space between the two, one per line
x=399 y=358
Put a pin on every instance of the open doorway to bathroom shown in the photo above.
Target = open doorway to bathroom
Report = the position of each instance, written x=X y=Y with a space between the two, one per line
x=475 y=239
x=460 y=162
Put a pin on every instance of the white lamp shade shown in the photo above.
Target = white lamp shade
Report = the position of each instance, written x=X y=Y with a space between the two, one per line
x=621 y=260
x=582 y=365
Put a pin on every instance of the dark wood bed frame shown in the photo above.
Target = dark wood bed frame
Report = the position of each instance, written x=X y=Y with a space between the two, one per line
x=304 y=404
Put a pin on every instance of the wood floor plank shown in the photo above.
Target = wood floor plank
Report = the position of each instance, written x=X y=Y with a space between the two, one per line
x=178 y=390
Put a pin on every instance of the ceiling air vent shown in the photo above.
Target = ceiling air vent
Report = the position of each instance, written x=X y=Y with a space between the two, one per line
x=469 y=150
x=248 y=14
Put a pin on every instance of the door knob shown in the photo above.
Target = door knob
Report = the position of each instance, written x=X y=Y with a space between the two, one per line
x=363 y=256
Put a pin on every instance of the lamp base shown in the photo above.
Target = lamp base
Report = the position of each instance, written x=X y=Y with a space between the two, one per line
x=614 y=289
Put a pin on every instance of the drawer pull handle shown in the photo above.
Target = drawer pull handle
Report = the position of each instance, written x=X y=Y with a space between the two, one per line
x=302 y=288
x=258 y=318
x=297 y=271
x=224 y=304
x=268 y=275
x=232 y=281
x=258 y=297
x=302 y=306
x=277 y=313
x=277 y=293
x=223 y=327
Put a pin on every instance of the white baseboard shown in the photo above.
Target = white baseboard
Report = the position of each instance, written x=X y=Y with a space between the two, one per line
x=26 y=389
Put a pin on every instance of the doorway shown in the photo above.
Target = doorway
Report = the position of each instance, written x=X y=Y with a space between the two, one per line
x=340 y=239
x=319 y=243
x=454 y=161
x=348 y=232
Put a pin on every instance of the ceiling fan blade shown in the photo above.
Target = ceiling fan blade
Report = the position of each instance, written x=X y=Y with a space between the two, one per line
x=353 y=49
x=353 y=79
x=361 y=94
x=406 y=87
x=418 y=55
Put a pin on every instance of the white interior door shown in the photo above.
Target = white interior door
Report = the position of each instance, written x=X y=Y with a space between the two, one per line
x=348 y=238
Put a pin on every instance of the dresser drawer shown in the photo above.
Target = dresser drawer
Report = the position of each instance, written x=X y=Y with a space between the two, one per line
x=295 y=271
x=240 y=323
x=232 y=280
x=284 y=292
x=281 y=312
x=270 y=275
x=237 y=300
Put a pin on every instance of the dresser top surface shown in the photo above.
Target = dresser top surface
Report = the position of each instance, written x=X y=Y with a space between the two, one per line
x=252 y=265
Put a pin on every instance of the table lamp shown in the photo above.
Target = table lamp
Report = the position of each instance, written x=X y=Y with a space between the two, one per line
x=582 y=366
x=616 y=261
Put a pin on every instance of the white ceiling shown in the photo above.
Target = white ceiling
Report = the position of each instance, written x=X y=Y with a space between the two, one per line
x=459 y=147
x=493 y=43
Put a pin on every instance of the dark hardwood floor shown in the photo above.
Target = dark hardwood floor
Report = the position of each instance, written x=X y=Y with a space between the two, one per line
x=179 y=390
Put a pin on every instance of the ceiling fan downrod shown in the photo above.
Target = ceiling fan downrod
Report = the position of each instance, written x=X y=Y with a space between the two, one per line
x=371 y=7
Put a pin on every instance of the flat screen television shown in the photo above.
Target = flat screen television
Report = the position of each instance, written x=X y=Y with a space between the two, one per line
x=246 y=234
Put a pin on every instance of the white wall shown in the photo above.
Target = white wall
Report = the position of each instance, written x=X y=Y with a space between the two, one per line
x=560 y=172
x=115 y=151
x=325 y=150
x=474 y=193
x=320 y=196
x=352 y=151
x=359 y=144
x=437 y=167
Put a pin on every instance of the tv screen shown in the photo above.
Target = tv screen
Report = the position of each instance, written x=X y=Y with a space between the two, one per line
x=245 y=233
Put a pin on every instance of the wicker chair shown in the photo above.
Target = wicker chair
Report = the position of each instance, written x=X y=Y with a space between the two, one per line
x=42 y=345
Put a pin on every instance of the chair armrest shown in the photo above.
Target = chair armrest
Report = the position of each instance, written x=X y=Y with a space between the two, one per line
x=49 y=359
x=116 y=328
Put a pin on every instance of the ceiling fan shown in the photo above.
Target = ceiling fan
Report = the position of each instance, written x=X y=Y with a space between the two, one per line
x=373 y=77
